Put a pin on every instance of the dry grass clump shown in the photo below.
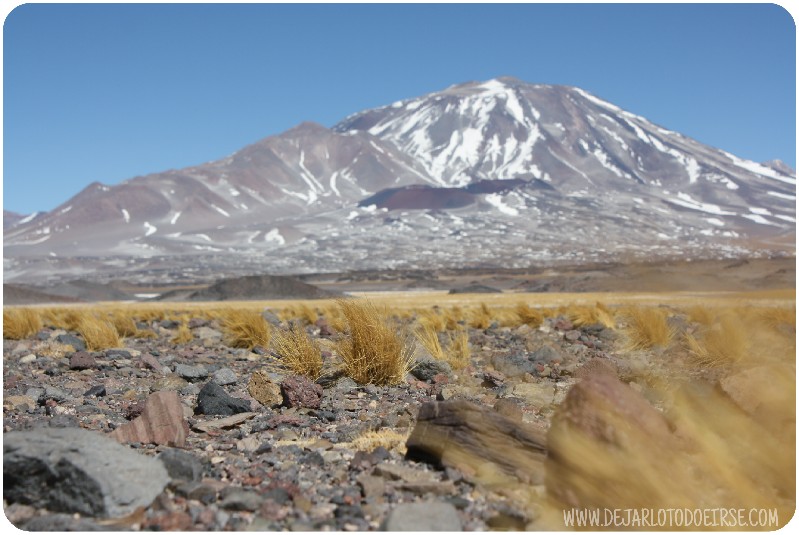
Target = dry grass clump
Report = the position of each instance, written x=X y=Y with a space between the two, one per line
x=124 y=325
x=19 y=323
x=724 y=341
x=481 y=318
x=528 y=315
x=453 y=318
x=374 y=352
x=245 y=328
x=98 y=333
x=433 y=318
x=587 y=315
x=779 y=319
x=183 y=335
x=299 y=352
x=458 y=353
x=428 y=336
x=647 y=328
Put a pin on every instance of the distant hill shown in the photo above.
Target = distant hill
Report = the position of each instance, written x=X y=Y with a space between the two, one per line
x=253 y=287
x=17 y=294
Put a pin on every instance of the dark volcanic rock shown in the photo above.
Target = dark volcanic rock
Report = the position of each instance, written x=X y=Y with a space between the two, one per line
x=213 y=399
x=78 y=471
x=427 y=367
x=181 y=464
x=71 y=340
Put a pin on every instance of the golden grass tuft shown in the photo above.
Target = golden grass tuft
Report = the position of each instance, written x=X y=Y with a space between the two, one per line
x=458 y=353
x=98 y=333
x=724 y=342
x=374 y=351
x=453 y=318
x=433 y=318
x=428 y=336
x=124 y=325
x=245 y=328
x=19 y=323
x=481 y=318
x=299 y=352
x=528 y=315
x=183 y=335
x=588 y=315
x=647 y=328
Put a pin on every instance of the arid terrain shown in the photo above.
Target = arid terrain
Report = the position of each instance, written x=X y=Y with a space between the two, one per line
x=505 y=404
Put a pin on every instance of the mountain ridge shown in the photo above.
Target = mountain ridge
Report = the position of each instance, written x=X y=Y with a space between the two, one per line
x=502 y=161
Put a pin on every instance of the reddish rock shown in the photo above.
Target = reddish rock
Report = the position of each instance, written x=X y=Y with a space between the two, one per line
x=563 y=324
x=299 y=391
x=600 y=434
x=161 y=422
x=150 y=362
x=82 y=361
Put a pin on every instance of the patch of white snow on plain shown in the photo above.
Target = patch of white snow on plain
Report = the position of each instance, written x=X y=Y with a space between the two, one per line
x=371 y=208
x=204 y=236
x=715 y=221
x=218 y=209
x=786 y=218
x=275 y=236
x=149 y=229
x=126 y=215
x=495 y=200
x=234 y=192
x=175 y=218
x=353 y=215
x=65 y=210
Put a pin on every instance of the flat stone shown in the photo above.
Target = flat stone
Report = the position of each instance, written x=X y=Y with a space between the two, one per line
x=72 y=470
x=191 y=373
x=19 y=403
x=537 y=395
x=431 y=516
x=470 y=438
x=224 y=376
x=181 y=464
x=160 y=422
x=82 y=361
x=264 y=390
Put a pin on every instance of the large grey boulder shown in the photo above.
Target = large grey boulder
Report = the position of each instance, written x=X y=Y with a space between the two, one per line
x=74 y=470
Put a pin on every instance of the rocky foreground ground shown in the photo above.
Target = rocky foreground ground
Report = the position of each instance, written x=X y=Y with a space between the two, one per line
x=201 y=436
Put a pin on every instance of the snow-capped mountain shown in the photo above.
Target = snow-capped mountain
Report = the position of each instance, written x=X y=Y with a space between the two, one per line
x=494 y=173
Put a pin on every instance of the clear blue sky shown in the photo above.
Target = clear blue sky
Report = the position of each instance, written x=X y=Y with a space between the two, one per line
x=108 y=92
